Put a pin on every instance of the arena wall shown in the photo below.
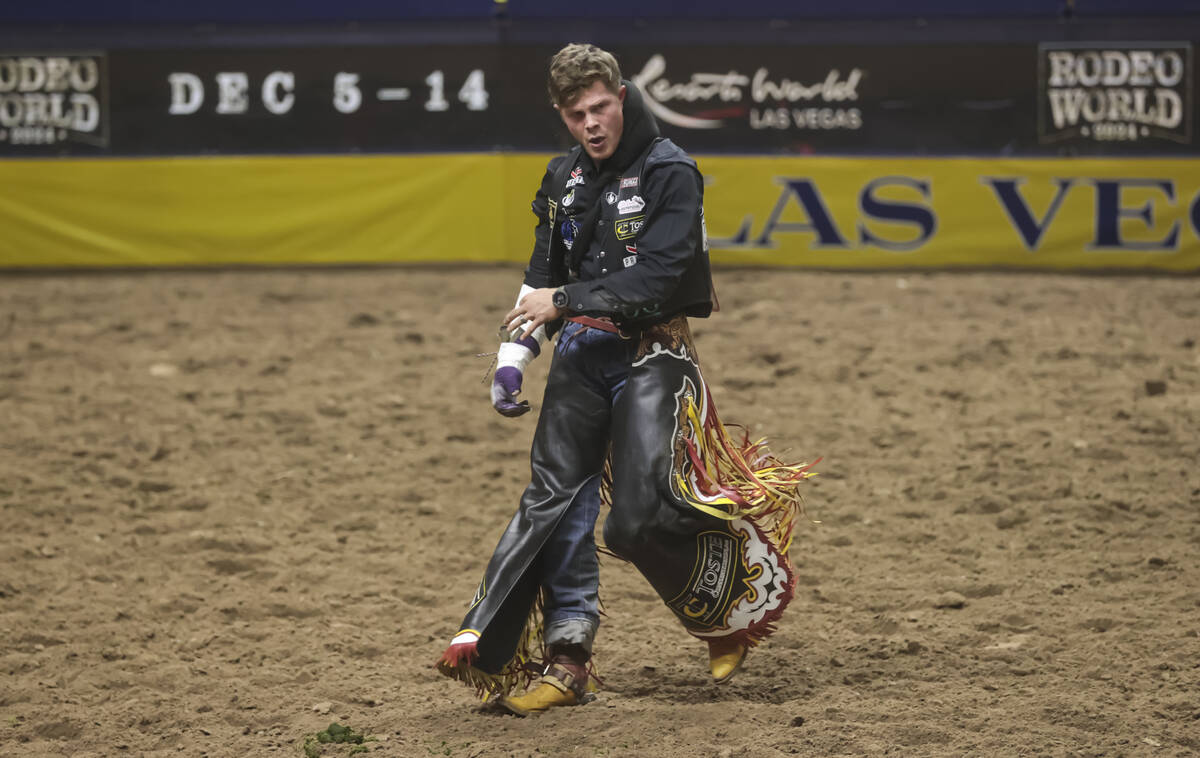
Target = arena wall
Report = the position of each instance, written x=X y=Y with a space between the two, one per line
x=1022 y=143
x=818 y=211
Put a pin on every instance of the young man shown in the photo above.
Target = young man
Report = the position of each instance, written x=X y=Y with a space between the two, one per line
x=620 y=262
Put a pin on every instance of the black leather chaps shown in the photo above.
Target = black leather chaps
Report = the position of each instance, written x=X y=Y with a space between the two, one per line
x=700 y=565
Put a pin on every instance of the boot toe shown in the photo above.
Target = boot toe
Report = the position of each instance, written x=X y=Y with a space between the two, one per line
x=724 y=660
x=541 y=698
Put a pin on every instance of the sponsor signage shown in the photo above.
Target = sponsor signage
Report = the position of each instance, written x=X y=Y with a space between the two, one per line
x=1104 y=93
x=51 y=102
x=843 y=99
x=270 y=100
x=761 y=100
x=849 y=212
x=767 y=99
x=710 y=589
x=843 y=212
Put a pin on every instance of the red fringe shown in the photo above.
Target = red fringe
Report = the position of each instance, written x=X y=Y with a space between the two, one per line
x=457 y=662
x=462 y=654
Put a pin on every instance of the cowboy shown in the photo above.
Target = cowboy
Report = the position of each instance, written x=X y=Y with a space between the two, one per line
x=620 y=263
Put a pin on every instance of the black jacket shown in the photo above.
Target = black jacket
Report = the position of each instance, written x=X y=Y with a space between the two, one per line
x=624 y=239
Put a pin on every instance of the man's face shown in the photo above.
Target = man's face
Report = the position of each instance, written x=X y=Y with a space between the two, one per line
x=595 y=119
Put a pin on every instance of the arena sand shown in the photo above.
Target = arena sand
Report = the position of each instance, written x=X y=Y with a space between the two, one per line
x=239 y=506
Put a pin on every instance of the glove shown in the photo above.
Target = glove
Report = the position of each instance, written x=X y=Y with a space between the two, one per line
x=506 y=385
x=514 y=355
x=510 y=371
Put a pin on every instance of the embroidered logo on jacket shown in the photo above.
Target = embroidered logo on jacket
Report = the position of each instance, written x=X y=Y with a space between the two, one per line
x=610 y=197
x=629 y=181
x=628 y=228
x=568 y=230
x=576 y=177
x=632 y=205
x=568 y=198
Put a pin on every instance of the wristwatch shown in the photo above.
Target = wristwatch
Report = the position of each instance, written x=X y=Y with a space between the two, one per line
x=559 y=300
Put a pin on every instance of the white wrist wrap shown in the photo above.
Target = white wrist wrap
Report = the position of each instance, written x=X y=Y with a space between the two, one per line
x=512 y=354
x=539 y=334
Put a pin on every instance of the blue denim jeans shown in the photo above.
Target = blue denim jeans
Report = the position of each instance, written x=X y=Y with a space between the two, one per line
x=570 y=569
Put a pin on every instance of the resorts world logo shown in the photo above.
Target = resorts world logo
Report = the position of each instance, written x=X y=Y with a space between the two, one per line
x=766 y=100
x=1104 y=93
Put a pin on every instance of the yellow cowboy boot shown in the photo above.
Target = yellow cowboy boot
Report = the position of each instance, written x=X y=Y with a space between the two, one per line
x=563 y=683
x=725 y=657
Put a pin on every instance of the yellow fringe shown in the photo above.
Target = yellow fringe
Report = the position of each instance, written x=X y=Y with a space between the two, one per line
x=740 y=480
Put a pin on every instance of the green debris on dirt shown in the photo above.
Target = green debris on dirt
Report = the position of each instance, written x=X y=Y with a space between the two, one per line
x=335 y=733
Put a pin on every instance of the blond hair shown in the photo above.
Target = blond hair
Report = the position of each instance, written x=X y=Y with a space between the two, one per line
x=576 y=67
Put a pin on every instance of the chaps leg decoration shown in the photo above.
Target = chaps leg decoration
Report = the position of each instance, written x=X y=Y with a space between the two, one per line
x=460 y=658
x=731 y=576
x=743 y=578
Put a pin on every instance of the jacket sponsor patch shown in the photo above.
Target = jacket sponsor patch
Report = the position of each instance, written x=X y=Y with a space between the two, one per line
x=568 y=199
x=632 y=205
x=629 y=181
x=576 y=177
x=552 y=207
x=610 y=197
x=628 y=228
x=568 y=232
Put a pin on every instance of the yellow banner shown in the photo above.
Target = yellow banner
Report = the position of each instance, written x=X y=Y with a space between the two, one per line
x=945 y=212
x=826 y=212
x=254 y=210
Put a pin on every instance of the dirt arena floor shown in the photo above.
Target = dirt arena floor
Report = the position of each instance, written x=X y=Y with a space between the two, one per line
x=239 y=506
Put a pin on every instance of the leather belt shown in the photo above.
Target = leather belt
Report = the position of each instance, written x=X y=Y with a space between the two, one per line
x=603 y=324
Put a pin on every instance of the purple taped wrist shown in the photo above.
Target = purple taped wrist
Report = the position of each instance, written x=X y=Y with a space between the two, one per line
x=530 y=343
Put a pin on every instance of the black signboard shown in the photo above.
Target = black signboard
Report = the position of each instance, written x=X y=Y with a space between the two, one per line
x=326 y=100
x=843 y=99
x=1005 y=99
x=56 y=101
x=1108 y=93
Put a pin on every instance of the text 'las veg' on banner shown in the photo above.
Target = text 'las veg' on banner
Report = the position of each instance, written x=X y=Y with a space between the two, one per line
x=1095 y=213
x=843 y=212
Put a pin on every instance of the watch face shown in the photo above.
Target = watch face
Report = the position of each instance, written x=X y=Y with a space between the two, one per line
x=559 y=299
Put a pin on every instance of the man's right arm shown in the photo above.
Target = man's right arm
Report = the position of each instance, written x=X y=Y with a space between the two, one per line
x=516 y=353
x=539 y=274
